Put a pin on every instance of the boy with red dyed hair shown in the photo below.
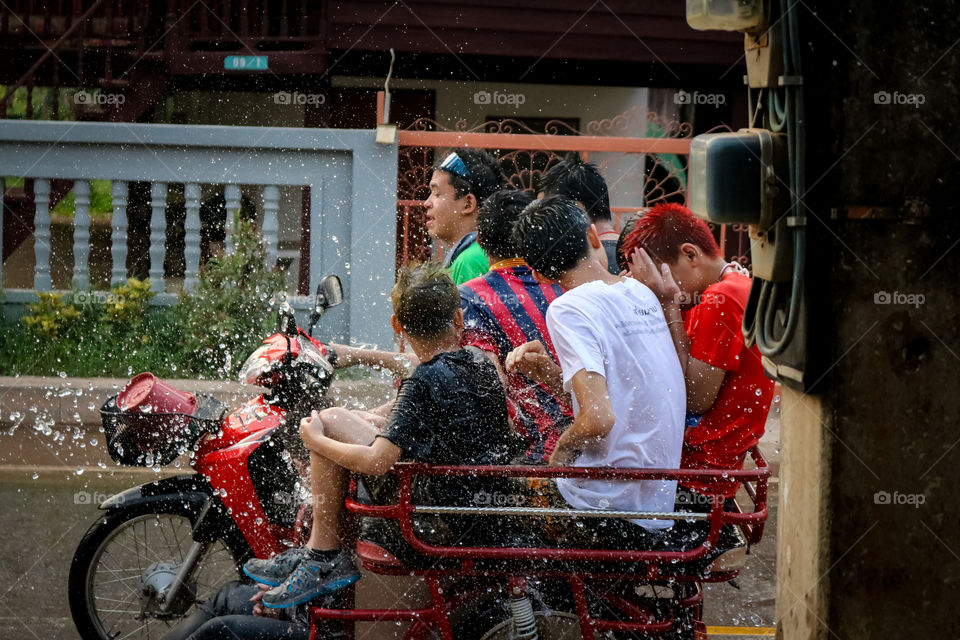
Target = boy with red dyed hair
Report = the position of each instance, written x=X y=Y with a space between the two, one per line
x=703 y=298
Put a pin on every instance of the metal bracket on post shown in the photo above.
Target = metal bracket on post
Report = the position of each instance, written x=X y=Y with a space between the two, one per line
x=386 y=132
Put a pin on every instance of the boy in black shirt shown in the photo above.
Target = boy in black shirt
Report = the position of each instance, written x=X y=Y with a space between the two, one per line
x=452 y=410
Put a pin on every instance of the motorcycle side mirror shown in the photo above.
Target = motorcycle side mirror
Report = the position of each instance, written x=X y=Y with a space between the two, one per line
x=330 y=291
x=329 y=294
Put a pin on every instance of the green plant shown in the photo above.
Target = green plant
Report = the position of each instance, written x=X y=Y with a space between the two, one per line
x=101 y=201
x=228 y=312
x=126 y=306
x=50 y=314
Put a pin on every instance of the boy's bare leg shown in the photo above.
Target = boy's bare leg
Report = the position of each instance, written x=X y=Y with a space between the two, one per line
x=352 y=427
x=328 y=480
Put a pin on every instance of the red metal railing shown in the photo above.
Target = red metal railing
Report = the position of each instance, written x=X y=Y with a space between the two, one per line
x=751 y=522
x=434 y=618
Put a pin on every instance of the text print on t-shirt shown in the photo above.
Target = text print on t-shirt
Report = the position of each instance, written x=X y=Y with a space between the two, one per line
x=649 y=320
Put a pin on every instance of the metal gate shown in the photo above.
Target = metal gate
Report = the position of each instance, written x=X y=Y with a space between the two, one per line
x=642 y=154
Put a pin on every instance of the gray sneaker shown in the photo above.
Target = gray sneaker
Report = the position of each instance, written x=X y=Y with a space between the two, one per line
x=312 y=579
x=275 y=570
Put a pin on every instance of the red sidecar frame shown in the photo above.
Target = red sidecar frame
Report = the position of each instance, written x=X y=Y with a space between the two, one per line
x=593 y=565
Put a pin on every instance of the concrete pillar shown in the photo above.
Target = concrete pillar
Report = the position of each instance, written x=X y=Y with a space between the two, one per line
x=869 y=531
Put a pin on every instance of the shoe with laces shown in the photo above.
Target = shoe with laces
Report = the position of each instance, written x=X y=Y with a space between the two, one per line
x=275 y=570
x=312 y=579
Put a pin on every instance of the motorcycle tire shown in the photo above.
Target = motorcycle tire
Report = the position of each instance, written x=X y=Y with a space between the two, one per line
x=119 y=544
x=490 y=618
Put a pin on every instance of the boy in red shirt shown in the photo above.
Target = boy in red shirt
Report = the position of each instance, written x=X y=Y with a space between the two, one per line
x=706 y=296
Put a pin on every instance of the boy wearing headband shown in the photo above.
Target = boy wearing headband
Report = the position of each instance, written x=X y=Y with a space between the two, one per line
x=460 y=183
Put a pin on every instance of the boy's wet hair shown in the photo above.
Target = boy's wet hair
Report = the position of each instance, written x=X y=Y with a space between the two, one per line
x=425 y=300
x=667 y=226
x=496 y=219
x=623 y=260
x=551 y=235
x=581 y=182
x=486 y=176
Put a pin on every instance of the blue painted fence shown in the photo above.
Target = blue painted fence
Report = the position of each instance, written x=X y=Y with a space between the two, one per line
x=352 y=182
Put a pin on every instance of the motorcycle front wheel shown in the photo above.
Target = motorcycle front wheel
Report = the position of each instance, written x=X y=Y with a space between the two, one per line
x=128 y=557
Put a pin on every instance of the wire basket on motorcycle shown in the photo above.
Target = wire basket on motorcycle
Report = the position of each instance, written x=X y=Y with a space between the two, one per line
x=139 y=439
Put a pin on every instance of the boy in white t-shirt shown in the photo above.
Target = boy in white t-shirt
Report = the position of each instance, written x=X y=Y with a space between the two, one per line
x=617 y=359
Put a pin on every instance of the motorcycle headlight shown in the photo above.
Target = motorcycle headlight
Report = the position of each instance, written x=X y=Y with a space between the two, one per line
x=255 y=366
x=311 y=354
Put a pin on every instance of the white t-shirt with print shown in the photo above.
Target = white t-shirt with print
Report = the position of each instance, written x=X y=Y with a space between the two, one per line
x=619 y=332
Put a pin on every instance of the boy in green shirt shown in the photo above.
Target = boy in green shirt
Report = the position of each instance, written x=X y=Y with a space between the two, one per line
x=458 y=186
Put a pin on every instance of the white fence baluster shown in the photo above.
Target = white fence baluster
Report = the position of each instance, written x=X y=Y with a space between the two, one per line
x=41 y=234
x=118 y=237
x=158 y=233
x=271 y=204
x=81 y=234
x=3 y=190
x=191 y=230
x=231 y=194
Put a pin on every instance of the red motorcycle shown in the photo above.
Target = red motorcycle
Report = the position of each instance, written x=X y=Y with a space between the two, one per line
x=161 y=547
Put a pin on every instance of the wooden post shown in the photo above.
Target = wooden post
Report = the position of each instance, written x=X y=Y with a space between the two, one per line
x=158 y=233
x=41 y=234
x=271 y=204
x=81 y=234
x=191 y=229
x=118 y=237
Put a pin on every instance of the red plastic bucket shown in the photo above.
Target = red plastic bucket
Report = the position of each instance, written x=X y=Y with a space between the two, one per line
x=144 y=400
x=146 y=393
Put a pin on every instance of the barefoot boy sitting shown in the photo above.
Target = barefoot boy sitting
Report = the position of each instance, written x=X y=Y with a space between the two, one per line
x=451 y=410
